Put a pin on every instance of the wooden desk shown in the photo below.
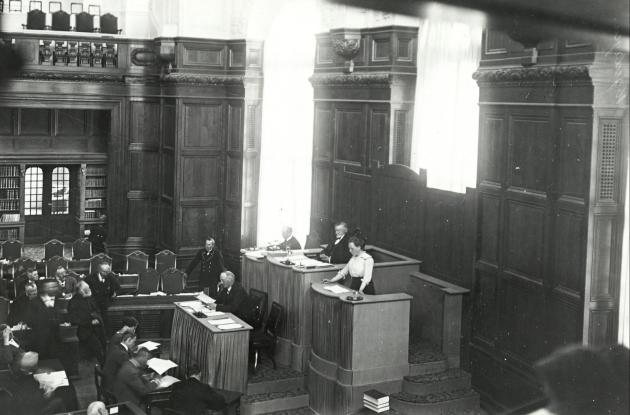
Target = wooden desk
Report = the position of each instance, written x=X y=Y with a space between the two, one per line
x=124 y=408
x=290 y=287
x=357 y=346
x=221 y=354
x=155 y=313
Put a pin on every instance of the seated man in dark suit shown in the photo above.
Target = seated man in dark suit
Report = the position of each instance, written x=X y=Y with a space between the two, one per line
x=289 y=241
x=232 y=297
x=19 y=307
x=118 y=354
x=191 y=397
x=85 y=313
x=129 y=325
x=337 y=251
x=29 y=276
x=130 y=385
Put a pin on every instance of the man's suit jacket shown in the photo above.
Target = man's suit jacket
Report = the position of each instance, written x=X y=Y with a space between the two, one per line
x=211 y=267
x=235 y=302
x=130 y=385
x=81 y=311
x=339 y=253
x=291 y=243
x=44 y=321
x=192 y=397
x=115 y=358
x=19 y=309
x=103 y=291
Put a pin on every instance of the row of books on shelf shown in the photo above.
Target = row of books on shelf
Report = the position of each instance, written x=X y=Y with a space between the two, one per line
x=9 y=204
x=95 y=193
x=9 y=217
x=376 y=401
x=9 y=193
x=95 y=204
x=9 y=183
x=9 y=170
x=96 y=182
x=95 y=171
x=93 y=214
x=9 y=234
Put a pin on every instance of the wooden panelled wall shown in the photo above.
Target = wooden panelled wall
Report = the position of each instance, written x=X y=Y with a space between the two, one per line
x=183 y=144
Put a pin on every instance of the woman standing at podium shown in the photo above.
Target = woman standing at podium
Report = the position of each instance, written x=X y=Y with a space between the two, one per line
x=359 y=267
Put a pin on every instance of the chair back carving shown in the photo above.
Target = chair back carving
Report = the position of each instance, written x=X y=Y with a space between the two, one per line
x=258 y=301
x=61 y=21
x=148 y=281
x=173 y=281
x=12 y=250
x=53 y=248
x=109 y=24
x=137 y=261
x=81 y=249
x=85 y=22
x=36 y=20
x=164 y=260
x=53 y=263
x=97 y=260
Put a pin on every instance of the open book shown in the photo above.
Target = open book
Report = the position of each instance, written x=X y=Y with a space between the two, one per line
x=161 y=365
x=52 y=380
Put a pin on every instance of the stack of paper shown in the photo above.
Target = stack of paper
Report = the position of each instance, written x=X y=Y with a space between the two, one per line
x=149 y=345
x=192 y=305
x=215 y=313
x=230 y=326
x=52 y=380
x=167 y=381
x=205 y=299
x=336 y=288
x=161 y=365
x=220 y=321
x=376 y=401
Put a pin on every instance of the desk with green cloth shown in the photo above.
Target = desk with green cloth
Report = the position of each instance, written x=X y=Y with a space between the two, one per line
x=222 y=355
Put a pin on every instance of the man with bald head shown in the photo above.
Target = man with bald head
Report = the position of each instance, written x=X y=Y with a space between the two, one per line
x=85 y=313
x=104 y=286
x=289 y=241
x=231 y=296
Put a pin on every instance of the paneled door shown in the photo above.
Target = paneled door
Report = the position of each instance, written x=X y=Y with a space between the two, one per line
x=49 y=203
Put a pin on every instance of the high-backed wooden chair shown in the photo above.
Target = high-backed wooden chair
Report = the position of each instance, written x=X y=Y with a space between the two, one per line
x=312 y=241
x=4 y=310
x=148 y=281
x=266 y=338
x=12 y=250
x=109 y=24
x=85 y=22
x=173 y=281
x=53 y=263
x=137 y=261
x=61 y=21
x=36 y=20
x=164 y=260
x=53 y=248
x=97 y=260
x=81 y=249
x=258 y=300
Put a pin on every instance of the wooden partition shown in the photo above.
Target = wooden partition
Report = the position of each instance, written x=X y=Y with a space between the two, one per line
x=356 y=346
x=290 y=287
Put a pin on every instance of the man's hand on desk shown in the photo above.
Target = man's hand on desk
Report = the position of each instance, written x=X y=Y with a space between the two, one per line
x=324 y=258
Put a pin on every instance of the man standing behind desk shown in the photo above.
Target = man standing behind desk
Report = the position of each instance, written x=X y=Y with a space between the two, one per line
x=211 y=265
x=290 y=242
x=337 y=251
x=104 y=285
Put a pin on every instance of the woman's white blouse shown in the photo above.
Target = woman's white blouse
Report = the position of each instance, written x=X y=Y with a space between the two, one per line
x=359 y=266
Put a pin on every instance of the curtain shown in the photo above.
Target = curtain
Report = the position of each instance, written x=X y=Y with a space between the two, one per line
x=624 y=294
x=445 y=127
x=287 y=120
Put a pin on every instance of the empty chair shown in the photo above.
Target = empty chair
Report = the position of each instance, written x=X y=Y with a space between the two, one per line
x=148 y=281
x=53 y=263
x=266 y=338
x=85 y=22
x=53 y=248
x=128 y=283
x=97 y=260
x=137 y=261
x=109 y=24
x=164 y=260
x=61 y=21
x=173 y=281
x=12 y=250
x=258 y=300
x=81 y=249
x=35 y=20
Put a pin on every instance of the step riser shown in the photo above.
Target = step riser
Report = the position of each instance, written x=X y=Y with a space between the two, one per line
x=427 y=368
x=274 y=405
x=281 y=385
x=448 y=385
x=409 y=408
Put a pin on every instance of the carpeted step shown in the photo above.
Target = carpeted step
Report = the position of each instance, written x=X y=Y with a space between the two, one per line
x=449 y=380
x=305 y=410
x=267 y=379
x=455 y=402
x=263 y=403
x=425 y=358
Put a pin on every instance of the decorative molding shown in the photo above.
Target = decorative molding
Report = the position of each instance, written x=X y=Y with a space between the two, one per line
x=144 y=57
x=203 y=79
x=539 y=73
x=354 y=79
x=346 y=48
x=62 y=76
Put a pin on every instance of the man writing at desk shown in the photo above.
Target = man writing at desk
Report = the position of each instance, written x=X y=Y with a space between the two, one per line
x=131 y=385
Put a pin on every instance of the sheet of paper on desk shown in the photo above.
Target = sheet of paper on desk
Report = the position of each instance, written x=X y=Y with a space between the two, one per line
x=310 y=262
x=195 y=305
x=256 y=254
x=149 y=345
x=205 y=299
x=52 y=380
x=214 y=313
x=221 y=321
x=157 y=293
x=337 y=289
x=161 y=365
x=167 y=381
x=230 y=326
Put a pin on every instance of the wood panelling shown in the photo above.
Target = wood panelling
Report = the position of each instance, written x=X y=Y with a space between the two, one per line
x=71 y=122
x=145 y=125
x=203 y=126
x=142 y=219
x=492 y=128
x=144 y=166
x=201 y=177
x=197 y=223
x=35 y=121
x=350 y=134
x=379 y=132
x=7 y=115
x=529 y=145
x=323 y=133
x=524 y=241
x=489 y=219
